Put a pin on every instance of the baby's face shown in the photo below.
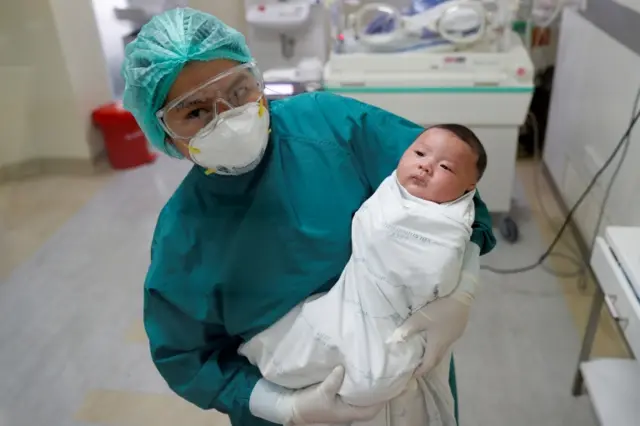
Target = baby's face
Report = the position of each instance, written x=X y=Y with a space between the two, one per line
x=438 y=167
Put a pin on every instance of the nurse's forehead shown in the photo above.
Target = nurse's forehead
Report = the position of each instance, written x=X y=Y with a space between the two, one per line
x=196 y=73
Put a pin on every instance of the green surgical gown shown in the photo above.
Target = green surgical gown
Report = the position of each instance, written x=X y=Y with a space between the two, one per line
x=231 y=255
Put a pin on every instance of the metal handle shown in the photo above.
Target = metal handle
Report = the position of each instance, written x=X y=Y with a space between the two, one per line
x=375 y=39
x=610 y=300
x=452 y=11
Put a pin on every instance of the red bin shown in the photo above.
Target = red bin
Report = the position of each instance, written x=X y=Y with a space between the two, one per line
x=124 y=142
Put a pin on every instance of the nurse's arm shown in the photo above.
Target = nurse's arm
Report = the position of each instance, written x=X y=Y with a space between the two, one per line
x=198 y=361
x=482 y=233
x=378 y=139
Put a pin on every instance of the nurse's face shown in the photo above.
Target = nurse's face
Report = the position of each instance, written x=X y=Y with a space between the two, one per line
x=203 y=90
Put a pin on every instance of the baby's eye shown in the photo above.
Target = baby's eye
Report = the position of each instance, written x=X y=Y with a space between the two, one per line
x=447 y=168
x=420 y=153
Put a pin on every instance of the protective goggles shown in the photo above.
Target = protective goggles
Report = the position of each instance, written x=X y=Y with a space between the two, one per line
x=185 y=116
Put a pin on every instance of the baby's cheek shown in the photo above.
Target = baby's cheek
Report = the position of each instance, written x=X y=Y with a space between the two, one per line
x=450 y=188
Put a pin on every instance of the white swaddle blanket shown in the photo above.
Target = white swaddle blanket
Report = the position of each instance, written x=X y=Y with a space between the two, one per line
x=406 y=253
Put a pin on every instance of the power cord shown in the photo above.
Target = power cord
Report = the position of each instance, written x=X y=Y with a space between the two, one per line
x=574 y=255
x=622 y=144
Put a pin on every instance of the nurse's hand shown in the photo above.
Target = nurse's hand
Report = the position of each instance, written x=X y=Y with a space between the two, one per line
x=443 y=321
x=313 y=405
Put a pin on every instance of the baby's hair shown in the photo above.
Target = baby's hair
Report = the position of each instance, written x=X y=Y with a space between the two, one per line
x=467 y=136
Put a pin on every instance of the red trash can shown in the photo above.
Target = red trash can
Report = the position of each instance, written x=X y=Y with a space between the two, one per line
x=124 y=142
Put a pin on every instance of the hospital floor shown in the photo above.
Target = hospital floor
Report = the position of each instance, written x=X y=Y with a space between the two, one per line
x=74 y=353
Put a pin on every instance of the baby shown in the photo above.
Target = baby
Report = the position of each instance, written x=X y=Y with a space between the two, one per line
x=445 y=162
x=408 y=242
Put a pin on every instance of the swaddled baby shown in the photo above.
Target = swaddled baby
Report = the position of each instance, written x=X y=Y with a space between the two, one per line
x=408 y=243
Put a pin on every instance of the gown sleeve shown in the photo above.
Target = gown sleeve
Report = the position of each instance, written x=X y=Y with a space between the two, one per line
x=189 y=347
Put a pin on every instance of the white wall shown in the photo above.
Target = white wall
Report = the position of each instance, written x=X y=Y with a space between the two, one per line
x=595 y=84
x=86 y=66
x=112 y=32
x=52 y=73
x=231 y=12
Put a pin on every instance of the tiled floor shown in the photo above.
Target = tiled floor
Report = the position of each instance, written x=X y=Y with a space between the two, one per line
x=32 y=210
x=71 y=309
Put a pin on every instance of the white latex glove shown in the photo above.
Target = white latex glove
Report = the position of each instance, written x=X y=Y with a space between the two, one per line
x=443 y=321
x=313 y=405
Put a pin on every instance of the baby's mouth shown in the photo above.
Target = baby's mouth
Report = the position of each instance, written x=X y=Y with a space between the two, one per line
x=419 y=180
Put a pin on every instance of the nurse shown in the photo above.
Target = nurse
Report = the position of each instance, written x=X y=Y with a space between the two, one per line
x=262 y=221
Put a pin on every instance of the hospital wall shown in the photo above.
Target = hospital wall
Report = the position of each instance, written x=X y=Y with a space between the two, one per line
x=595 y=83
x=112 y=32
x=231 y=12
x=52 y=74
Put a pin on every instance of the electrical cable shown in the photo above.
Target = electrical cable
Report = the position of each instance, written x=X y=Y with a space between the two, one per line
x=576 y=256
x=622 y=144
x=538 y=176
x=607 y=192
